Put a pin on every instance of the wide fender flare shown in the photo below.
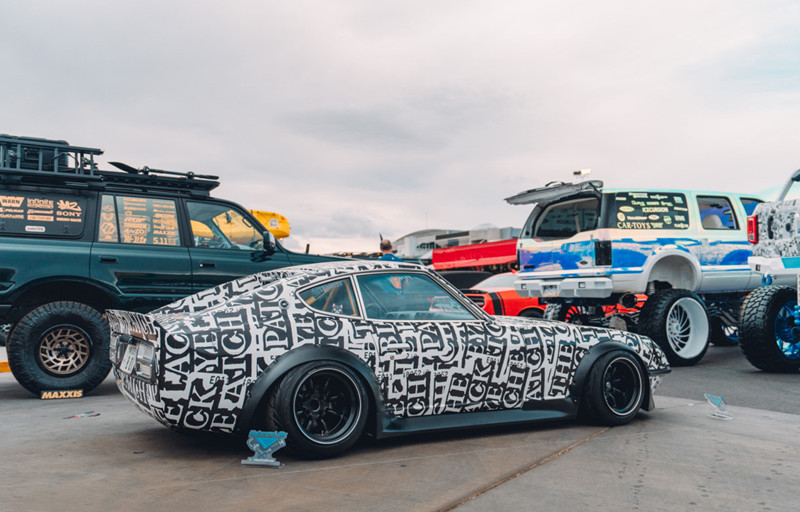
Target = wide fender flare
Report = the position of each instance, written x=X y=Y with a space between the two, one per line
x=588 y=361
x=674 y=251
x=296 y=357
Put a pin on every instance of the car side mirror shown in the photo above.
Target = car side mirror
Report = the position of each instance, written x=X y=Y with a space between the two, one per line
x=270 y=245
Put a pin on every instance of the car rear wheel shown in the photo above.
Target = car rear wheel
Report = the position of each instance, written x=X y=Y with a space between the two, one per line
x=60 y=346
x=769 y=337
x=614 y=390
x=322 y=406
x=677 y=320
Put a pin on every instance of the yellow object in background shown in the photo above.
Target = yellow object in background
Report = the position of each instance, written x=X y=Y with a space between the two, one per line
x=276 y=223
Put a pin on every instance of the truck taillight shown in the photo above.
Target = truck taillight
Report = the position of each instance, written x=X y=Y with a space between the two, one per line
x=752 y=229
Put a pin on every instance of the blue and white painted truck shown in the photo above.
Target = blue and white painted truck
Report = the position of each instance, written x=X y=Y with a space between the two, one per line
x=670 y=264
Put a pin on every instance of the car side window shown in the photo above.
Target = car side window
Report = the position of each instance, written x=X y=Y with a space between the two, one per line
x=217 y=226
x=138 y=221
x=750 y=204
x=563 y=220
x=334 y=297
x=408 y=296
x=716 y=213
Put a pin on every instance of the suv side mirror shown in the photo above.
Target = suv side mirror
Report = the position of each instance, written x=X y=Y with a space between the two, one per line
x=270 y=245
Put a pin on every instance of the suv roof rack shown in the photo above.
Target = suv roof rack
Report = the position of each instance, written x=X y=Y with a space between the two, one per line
x=34 y=161
x=44 y=155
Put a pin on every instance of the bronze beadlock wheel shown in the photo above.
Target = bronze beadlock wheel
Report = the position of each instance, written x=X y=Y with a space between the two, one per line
x=64 y=350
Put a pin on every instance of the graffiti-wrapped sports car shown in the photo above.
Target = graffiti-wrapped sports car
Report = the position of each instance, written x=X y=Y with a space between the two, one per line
x=328 y=351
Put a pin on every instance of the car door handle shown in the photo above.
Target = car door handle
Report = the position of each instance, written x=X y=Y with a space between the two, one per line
x=207 y=264
x=108 y=259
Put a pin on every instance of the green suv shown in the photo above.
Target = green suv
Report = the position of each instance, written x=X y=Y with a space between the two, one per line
x=76 y=240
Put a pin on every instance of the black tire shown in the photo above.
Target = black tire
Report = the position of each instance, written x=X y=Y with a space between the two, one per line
x=4 y=332
x=722 y=335
x=768 y=336
x=678 y=321
x=532 y=313
x=322 y=406
x=58 y=346
x=572 y=314
x=614 y=390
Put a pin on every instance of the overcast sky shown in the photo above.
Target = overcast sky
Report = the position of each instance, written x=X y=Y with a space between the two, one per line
x=359 y=117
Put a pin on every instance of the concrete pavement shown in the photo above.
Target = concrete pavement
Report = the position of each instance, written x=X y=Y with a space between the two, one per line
x=100 y=453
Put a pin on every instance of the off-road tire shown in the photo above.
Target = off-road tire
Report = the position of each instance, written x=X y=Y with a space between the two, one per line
x=302 y=403
x=614 y=390
x=765 y=323
x=59 y=346
x=677 y=320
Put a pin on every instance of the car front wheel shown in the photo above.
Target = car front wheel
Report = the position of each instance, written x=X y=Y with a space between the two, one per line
x=614 y=390
x=322 y=406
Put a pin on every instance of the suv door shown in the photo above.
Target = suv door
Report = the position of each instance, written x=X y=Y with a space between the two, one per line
x=724 y=248
x=138 y=250
x=226 y=243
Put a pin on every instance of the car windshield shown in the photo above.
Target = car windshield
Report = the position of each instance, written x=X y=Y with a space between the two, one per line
x=505 y=280
x=408 y=296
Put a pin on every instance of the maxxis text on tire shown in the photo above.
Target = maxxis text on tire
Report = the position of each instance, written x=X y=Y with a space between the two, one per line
x=60 y=345
x=678 y=321
x=765 y=329
x=322 y=406
x=614 y=389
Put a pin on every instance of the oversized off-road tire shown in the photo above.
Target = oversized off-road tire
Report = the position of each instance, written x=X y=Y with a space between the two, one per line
x=678 y=321
x=572 y=314
x=60 y=345
x=322 y=406
x=768 y=336
x=723 y=335
x=614 y=390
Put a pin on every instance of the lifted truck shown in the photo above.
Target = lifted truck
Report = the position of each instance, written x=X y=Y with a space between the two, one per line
x=770 y=319
x=585 y=249
x=76 y=240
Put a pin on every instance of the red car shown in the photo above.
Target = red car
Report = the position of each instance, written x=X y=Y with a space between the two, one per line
x=496 y=295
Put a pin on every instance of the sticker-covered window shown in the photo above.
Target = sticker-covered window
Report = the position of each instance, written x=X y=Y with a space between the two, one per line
x=716 y=213
x=334 y=297
x=31 y=213
x=147 y=221
x=650 y=210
